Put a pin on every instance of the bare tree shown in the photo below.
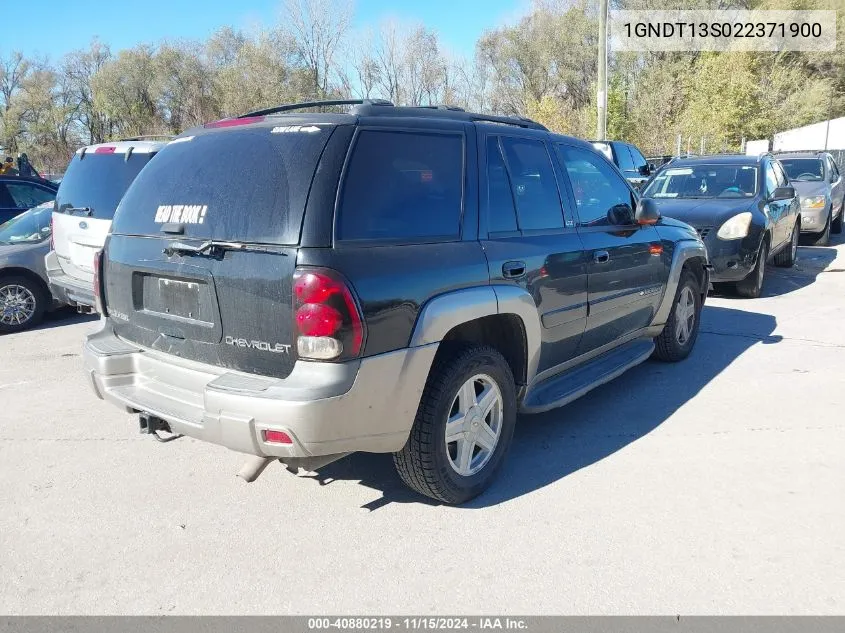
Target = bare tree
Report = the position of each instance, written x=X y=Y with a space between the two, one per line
x=78 y=70
x=317 y=29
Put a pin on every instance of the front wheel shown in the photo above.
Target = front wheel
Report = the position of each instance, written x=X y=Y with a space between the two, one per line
x=836 y=226
x=22 y=304
x=752 y=286
x=676 y=340
x=463 y=428
x=786 y=258
x=823 y=238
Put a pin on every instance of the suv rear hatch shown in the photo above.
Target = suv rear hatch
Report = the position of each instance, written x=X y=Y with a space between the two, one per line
x=203 y=249
x=88 y=195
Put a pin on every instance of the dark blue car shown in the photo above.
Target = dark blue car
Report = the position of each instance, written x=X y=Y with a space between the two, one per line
x=21 y=193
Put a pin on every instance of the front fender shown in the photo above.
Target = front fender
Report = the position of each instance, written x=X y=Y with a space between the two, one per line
x=685 y=251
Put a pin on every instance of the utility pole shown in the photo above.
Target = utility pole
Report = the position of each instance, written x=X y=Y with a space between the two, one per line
x=601 y=97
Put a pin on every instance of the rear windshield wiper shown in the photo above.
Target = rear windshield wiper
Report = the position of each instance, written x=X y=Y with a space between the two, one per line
x=86 y=210
x=212 y=247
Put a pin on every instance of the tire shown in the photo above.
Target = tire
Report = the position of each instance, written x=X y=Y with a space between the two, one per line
x=836 y=225
x=786 y=258
x=22 y=304
x=675 y=342
x=428 y=463
x=752 y=285
x=823 y=238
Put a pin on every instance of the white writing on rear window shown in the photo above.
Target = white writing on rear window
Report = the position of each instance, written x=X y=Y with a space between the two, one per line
x=181 y=213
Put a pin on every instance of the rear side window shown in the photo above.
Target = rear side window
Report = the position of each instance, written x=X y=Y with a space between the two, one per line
x=26 y=195
x=403 y=186
x=242 y=184
x=98 y=181
x=533 y=183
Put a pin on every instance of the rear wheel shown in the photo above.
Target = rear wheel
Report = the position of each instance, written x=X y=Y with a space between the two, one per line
x=463 y=428
x=676 y=340
x=823 y=238
x=22 y=304
x=786 y=258
x=752 y=285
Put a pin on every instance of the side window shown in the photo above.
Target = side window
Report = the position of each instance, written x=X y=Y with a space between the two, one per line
x=623 y=155
x=6 y=200
x=783 y=181
x=500 y=208
x=834 y=170
x=596 y=186
x=403 y=186
x=27 y=196
x=771 y=180
x=639 y=159
x=533 y=184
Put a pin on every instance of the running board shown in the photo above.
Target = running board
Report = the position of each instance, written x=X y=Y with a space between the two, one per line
x=572 y=384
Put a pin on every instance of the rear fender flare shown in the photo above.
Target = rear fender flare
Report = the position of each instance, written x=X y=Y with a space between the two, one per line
x=444 y=312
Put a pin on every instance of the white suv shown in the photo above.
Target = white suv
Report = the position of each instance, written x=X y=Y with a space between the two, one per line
x=91 y=189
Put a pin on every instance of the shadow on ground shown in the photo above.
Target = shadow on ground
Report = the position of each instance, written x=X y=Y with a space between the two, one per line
x=64 y=316
x=550 y=446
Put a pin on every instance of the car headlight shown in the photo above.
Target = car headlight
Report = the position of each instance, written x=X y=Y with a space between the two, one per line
x=814 y=202
x=736 y=228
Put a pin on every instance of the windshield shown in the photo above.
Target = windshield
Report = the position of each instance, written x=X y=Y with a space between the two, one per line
x=30 y=226
x=604 y=148
x=98 y=181
x=704 y=181
x=803 y=169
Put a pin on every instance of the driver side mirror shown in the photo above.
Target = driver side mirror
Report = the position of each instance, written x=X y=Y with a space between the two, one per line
x=645 y=170
x=647 y=212
x=783 y=193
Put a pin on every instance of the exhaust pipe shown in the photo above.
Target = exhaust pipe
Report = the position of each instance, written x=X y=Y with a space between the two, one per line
x=254 y=466
x=83 y=309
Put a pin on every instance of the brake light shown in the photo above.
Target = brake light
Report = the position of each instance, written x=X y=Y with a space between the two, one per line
x=105 y=149
x=233 y=122
x=327 y=318
x=99 y=296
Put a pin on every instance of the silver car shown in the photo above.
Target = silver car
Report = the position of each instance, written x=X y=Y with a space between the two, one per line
x=820 y=187
x=24 y=295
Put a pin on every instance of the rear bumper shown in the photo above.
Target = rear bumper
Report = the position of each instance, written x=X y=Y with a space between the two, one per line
x=65 y=288
x=326 y=408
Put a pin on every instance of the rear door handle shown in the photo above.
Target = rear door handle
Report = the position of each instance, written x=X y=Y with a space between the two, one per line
x=513 y=270
x=601 y=257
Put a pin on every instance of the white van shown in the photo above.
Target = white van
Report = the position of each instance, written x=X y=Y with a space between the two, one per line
x=91 y=189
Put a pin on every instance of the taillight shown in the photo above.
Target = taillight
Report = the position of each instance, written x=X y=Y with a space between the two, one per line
x=99 y=295
x=327 y=319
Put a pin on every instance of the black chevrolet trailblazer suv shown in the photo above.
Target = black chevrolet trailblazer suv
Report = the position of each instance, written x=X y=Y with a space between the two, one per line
x=390 y=279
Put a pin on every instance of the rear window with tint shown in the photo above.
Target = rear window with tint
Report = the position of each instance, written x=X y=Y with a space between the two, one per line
x=403 y=187
x=244 y=184
x=98 y=181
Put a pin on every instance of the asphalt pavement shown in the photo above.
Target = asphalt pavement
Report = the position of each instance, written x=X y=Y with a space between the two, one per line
x=714 y=486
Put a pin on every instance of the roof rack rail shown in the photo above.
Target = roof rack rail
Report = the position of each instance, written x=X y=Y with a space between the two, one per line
x=519 y=121
x=315 y=104
x=443 y=106
x=145 y=137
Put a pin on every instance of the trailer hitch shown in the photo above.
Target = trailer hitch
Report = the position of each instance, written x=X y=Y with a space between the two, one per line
x=151 y=425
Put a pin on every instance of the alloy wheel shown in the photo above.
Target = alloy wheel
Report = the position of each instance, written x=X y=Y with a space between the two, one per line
x=474 y=425
x=17 y=304
x=684 y=316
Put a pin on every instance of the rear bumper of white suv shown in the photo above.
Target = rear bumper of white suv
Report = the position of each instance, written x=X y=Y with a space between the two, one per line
x=325 y=408
x=65 y=288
